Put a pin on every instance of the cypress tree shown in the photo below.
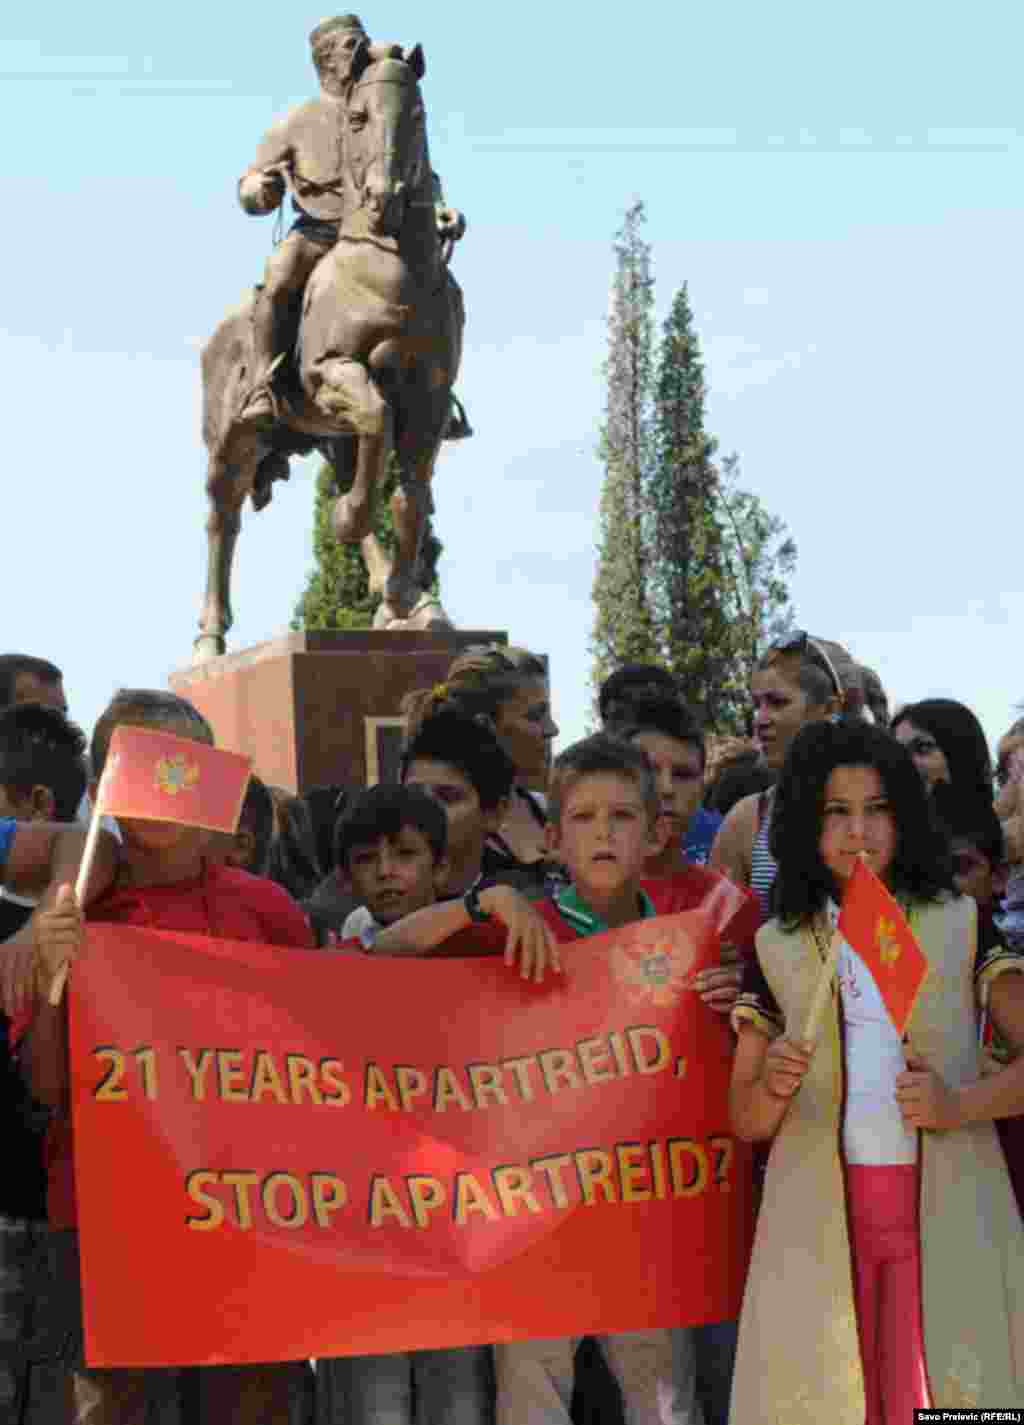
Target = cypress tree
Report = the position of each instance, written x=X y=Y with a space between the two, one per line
x=687 y=568
x=623 y=626
x=759 y=555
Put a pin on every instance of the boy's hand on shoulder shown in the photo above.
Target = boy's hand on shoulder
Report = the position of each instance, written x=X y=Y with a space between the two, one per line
x=58 y=934
x=530 y=938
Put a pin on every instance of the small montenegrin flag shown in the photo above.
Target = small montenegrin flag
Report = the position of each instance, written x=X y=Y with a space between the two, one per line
x=873 y=924
x=154 y=776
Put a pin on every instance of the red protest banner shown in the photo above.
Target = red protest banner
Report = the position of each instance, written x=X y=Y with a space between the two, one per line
x=303 y=1154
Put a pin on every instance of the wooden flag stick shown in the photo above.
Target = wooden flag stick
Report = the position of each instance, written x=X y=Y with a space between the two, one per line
x=822 y=989
x=60 y=979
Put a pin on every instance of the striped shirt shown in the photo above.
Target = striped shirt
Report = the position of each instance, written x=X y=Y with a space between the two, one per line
x=763 y=867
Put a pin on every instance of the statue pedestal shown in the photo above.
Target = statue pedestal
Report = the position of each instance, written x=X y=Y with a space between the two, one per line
x=317 y=708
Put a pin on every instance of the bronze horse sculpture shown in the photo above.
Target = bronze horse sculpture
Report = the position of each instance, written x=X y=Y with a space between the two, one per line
x=378 y=351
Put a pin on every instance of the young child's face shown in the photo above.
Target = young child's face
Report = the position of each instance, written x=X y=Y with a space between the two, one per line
x=604 y=833
x=154 y=837
x=974 y=874
x=856 y=818
x=395 y=875
x=468 y=824
x=679 y=769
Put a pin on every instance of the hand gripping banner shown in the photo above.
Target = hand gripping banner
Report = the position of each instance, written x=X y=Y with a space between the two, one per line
x=282 y=1154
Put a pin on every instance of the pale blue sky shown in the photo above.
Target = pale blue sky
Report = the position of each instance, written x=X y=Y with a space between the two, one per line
x=843 y=193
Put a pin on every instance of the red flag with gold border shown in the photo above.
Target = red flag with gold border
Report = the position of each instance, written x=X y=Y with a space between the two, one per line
x=155 y=776
x=873 y=923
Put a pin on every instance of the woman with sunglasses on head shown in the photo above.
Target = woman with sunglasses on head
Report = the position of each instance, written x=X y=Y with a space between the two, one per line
x=888 y=1266
x=796 y=682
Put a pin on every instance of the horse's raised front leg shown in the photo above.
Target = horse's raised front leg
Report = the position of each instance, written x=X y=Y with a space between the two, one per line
x=226 y=490
x=347 y=393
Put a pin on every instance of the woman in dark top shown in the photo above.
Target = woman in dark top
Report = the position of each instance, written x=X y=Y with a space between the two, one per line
x=506 y=689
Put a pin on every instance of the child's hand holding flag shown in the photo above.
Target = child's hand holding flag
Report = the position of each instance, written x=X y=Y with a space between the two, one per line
x=57 y=936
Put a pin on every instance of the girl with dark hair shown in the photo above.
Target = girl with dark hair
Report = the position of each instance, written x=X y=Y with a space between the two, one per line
x=885 y=1181
x=947 y=744
x=292 y=861
x=795 y=683
x=1010 y=811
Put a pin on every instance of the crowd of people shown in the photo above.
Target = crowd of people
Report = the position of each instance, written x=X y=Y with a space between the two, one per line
x=888 y=1265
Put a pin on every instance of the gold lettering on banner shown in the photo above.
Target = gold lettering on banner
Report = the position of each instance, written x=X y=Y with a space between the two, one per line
x=386 y=1205
x=377 y=1090
x=594 y=1170
x=426 y=1194
x=685 y=1183
x=513 y=1186
x=448 y=1090
x=195 y=1185
x=632 y=1174
x=196 y=1071
x=266 y=1079
x=470 y=1196
x=110 y=1089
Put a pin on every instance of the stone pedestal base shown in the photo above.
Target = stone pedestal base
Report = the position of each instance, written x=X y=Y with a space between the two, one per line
x=318 y=708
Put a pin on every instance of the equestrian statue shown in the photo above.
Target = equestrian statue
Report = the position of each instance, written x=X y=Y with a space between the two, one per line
x=351 y=344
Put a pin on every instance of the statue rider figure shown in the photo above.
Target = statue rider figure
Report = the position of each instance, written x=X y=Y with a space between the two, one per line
x=307 y=144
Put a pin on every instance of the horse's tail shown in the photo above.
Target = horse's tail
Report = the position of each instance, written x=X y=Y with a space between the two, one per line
x=223 y=363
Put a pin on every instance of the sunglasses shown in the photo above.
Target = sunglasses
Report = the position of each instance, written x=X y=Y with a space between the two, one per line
x=921 y=746
x=802 y=643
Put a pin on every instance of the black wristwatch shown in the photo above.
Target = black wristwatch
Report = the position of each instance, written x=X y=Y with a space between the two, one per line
x=475 y=911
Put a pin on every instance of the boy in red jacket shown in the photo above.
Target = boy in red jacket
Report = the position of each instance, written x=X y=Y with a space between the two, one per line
x=164 y=882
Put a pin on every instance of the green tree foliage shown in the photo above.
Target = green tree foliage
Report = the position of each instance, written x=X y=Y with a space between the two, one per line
x=688 y=566
x=337 y=593
x=760 y=557
x=692 y=570
x=623 y=625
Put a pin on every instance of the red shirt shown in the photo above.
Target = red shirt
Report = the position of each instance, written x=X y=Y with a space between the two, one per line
x=221 y=902
x=736 y=911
